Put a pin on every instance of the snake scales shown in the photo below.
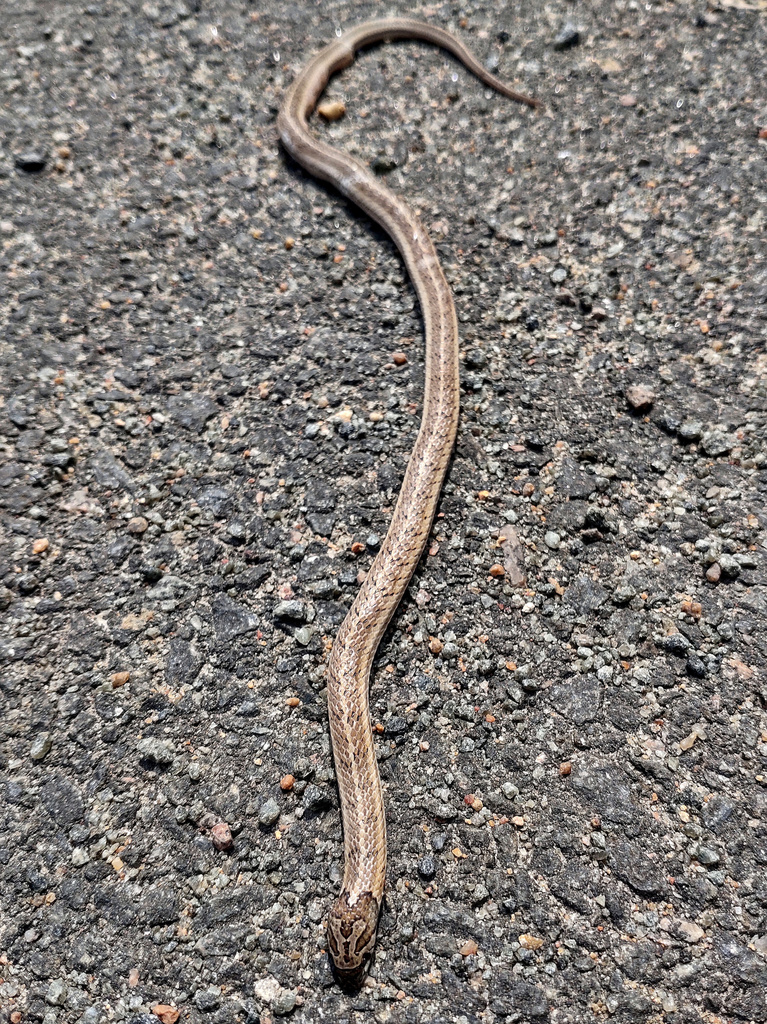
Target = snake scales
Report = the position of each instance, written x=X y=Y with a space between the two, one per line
x=352 y=922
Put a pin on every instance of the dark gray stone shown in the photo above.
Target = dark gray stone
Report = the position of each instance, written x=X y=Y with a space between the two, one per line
x=62 y=800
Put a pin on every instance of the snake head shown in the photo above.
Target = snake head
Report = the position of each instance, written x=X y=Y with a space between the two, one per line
x=352 y=924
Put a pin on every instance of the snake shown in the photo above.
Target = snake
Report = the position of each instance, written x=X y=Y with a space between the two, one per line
x=352 y=921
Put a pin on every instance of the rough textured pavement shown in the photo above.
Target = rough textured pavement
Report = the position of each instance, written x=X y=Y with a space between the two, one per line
x=203 y=425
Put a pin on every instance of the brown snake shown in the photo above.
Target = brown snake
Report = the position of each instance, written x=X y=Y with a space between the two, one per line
x=352 y=922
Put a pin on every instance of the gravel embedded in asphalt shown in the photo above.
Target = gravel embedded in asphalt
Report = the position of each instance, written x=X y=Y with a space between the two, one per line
x=211 y=374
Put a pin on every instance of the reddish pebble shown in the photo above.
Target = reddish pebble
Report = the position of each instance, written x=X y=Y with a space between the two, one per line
x=287 y=782
x=357 y=548
x=565 y=768
x=435 y=645
x=167 y=1014
x=120 y=679
x=221 y=835
x=469 y=948
x=468 y=799
x=528 y=489
x=292 y=702
x=137 y=525
x=497 y=570
x=399 y=358
x=714 y=573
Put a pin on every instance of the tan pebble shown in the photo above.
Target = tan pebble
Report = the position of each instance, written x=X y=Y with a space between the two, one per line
x=292 y=702
x=530 y=941
x=690 y=931
x=137 y=525
x=40 y=545
x=518 y=820
x=423 y=745
x=714 y=573
x=435 y=645
x=331 y=110
x=693 y=608
x=688 y=741
x=221 y=835
x=565 y=768
x=497 y=570
x=469 y=948
x=117 y=864
x=120 y=679
x=476 y=804
x=166 y=1014
x=399 y=358
x=528 y=489
x=323 y=402
x=287 y=782
x=289 y=243
x=16 y=1017
x=376 y=416
x=133 y=977
x=628 y=100
x=639 y=396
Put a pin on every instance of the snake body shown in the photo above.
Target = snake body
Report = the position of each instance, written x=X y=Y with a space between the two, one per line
x=353 y=920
